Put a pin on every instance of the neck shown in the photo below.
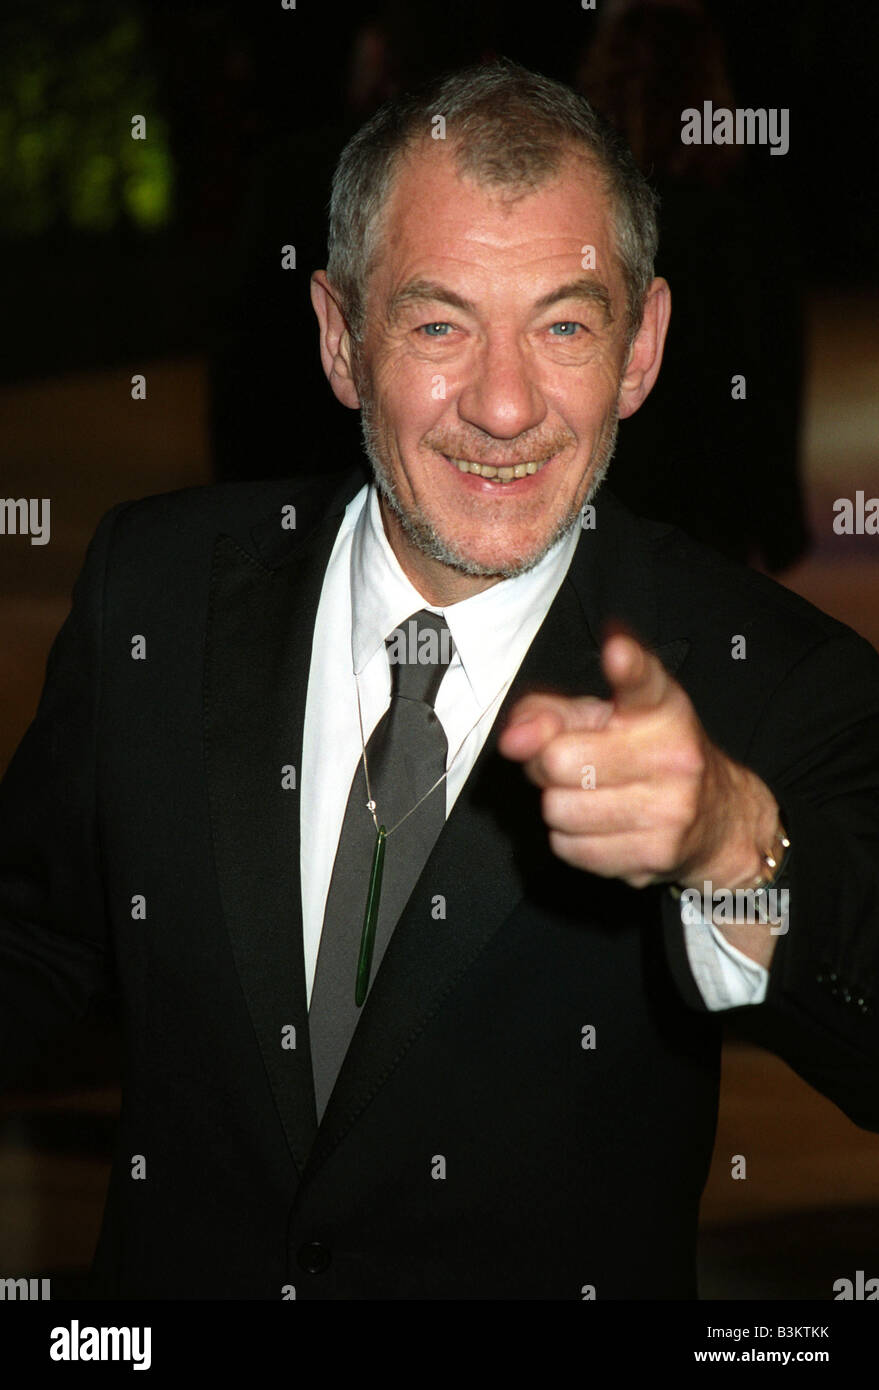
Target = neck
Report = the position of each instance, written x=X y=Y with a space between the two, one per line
x=437 y=583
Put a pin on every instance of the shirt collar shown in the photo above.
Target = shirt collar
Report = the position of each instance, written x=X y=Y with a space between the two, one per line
x=483 y=627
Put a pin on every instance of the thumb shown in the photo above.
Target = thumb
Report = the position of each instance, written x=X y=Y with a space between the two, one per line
x=637 y=678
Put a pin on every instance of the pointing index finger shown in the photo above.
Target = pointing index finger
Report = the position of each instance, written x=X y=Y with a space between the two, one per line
x=537 y=719
x=532 y=722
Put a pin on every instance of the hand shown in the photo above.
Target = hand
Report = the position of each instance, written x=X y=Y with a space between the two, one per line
x=633 y=788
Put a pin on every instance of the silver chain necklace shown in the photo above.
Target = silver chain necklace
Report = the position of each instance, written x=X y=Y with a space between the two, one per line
x=373 y=894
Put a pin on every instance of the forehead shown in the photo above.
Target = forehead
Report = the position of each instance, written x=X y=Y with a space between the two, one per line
x=436 y=219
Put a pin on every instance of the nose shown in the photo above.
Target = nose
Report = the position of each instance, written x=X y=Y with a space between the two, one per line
x=502 y=398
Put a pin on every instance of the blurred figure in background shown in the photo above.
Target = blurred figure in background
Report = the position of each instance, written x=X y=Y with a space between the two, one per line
x=725 y=470
x=264 y=358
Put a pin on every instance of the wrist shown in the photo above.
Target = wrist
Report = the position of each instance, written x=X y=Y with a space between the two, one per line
x=732 y=888
x=744 y=833
x=748 y=841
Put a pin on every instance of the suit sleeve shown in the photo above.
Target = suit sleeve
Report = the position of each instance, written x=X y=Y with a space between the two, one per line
x=53 y=928
x=817 y=749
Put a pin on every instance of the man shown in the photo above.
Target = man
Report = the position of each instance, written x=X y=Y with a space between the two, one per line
x=499 y=1079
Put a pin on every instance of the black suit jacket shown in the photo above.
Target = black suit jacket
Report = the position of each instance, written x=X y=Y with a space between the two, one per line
x=147 y=839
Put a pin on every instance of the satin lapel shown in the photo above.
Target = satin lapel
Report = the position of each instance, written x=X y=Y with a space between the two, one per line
x=496 y=820
x=257 y=657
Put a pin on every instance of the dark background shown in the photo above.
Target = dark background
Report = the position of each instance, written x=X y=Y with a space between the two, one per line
x=112 y=249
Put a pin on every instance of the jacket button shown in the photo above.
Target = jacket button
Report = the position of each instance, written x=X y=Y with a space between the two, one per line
x=313 y=1257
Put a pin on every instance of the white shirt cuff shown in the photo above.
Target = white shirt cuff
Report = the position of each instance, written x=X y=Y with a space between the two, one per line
x=726 y=977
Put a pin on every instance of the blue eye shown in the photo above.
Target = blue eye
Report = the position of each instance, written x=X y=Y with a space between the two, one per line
x=426 y=327
x=569 y=324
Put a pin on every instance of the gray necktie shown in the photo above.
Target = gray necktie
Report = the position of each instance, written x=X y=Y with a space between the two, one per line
x=405 y=755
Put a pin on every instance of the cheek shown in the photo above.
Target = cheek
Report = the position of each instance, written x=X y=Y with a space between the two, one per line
x=584 y=398
x=412 y=397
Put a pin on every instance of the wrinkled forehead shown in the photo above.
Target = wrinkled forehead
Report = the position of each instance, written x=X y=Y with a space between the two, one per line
x=438 y=204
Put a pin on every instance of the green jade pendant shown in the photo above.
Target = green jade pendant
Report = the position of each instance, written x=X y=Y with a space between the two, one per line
x=370 y=919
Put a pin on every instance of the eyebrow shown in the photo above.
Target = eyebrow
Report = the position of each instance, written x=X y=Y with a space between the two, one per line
x=586 y=288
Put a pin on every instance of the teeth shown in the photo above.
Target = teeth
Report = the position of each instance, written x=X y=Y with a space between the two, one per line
x=503 y=475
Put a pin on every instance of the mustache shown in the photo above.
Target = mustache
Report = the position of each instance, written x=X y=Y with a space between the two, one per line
x=513 y=453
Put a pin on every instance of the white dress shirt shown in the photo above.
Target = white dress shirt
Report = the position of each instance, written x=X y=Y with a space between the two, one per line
x=365 y=595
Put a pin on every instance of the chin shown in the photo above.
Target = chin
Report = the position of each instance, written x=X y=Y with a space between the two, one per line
x=497 y=562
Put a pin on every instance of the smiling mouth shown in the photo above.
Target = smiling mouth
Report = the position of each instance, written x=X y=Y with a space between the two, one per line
x=499 y=473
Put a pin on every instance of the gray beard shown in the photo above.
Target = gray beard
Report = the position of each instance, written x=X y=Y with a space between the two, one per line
x=423 y=534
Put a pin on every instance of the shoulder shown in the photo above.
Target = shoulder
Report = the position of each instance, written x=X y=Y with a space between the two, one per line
x=235 y=509
x=263 y=518
x=751 y=647
x=699 y=591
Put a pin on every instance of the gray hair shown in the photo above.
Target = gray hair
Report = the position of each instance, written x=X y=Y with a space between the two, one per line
x=507 y=127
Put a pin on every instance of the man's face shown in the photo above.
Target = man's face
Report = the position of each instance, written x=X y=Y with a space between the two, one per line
x=488 y=343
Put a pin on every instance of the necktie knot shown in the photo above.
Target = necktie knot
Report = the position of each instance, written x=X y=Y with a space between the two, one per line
x=419 y=652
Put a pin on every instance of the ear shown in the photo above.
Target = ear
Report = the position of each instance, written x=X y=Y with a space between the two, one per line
x=645 y=354
x=335 y=340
